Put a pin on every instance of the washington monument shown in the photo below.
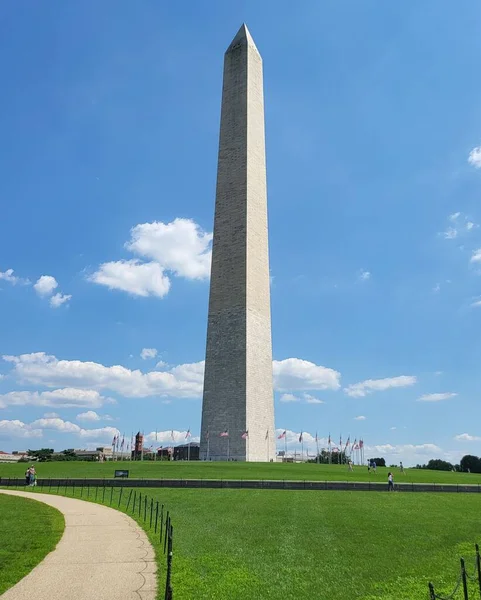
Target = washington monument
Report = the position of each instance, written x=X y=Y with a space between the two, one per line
x=238 y=403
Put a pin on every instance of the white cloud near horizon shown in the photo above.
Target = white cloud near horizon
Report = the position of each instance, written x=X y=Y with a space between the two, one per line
x=181 y=381
x=466 y=437
x=360 y=418
x=363 y=388
x=436 y=397
x=60 y=398
x=180 y=247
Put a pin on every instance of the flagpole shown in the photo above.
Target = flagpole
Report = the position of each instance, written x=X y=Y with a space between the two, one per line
x=302 y=449
x=285 y=448
x=228 y=447
x=208 y=445
x=317 y=447
x=267 y=448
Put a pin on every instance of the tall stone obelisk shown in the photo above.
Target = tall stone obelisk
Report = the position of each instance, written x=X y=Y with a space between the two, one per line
x=238 y=393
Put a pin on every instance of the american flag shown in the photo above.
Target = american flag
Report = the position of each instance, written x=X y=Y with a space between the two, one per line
x=207 y=436
x=122 y=442
x=316 y=437
x=329 y=440
x=267 y=435
x=300 y=437
x=361 y=443
x=172 y=435
x=224 y=434
x=187 y=435
x=282 y=436
x=245 y=435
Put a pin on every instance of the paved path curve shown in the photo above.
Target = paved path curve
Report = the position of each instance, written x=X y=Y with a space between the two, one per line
x=103 y=555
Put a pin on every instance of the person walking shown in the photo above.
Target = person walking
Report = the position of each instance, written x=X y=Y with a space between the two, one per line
x=27 y=476
x=390 y=482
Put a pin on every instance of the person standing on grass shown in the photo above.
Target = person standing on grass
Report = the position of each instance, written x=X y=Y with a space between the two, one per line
x=390 y=482
x=401 y=467
x=374 y=466
x=350 y=465
x=27 y=476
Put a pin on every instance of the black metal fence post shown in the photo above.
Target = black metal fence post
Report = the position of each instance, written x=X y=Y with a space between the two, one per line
x=96 y=492
x=135 y=499
x=82 y=490
x=103 y=494
x=167 y=525
x=161 y=523
x=151 y=510
x=478 y=567
x=120 y=497
x=145 y=508
x=432 y=595
x=156 y=515
x=128 y=501
x=111 y=494
x=464 y=579
x=168 y=586
x=140 y=503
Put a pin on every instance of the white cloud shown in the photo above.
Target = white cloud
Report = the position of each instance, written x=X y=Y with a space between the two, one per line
x=165 y=438
x=312 y=400
x=297 y=374
x=459 y=224
x=59 y=299
x=476 y=257
x=466 y=437
x=364 y=275
x=89 y=415
x=133 y=277
x=11 y=278
x=474 y=157
x=148 y=353
x=436 y=397
x=476 y=304
x=360 y=418
x=61 y=398
x=45 y=285
x=180 y=246
x=182 y=381
x=57 y=424
x=289 y=398
x=40 y=368
x=411 y=450
x=393 y=428
x=363 y=388
x=14 y=429
x=51 y=415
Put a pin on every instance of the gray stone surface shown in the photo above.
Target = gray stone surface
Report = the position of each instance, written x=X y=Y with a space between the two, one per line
x=103 y=554
x=238 y=392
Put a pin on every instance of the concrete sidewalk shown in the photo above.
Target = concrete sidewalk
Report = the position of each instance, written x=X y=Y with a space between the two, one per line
x=103 y=555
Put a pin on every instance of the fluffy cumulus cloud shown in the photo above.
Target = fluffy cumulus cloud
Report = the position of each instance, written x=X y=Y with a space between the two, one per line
x=466 y=437
x=58 y=299
x=45 y=285
x=134 y=277
x=182 y=381
x=474 y=157
x=60 y=398
x=360 y=418
x=42 y=369
x=11 y=278
x=297 y=374
x=89 y=415
x=436 y=397
x=180 y=247
x=148 y=353
x=363 y=388
x=17 y=429
x=289 y=398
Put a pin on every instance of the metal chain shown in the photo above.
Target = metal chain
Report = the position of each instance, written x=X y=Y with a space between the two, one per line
x=475 y=576
x=451 y=595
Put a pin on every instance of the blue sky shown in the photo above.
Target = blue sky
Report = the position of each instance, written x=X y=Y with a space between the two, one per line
x=109 y=117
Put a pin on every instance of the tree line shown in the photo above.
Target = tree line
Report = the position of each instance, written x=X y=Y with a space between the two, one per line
x=468 y=464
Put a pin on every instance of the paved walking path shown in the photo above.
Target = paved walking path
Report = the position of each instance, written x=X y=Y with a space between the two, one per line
x=103 y=555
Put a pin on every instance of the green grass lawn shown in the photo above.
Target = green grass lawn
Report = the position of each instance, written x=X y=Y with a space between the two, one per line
x=240 y=544
x=223 y=470
x=29 y=530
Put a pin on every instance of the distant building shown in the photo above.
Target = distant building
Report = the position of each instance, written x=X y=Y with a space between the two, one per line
x=6 y=457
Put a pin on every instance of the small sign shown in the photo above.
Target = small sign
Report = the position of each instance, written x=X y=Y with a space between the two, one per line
x=121 y=474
